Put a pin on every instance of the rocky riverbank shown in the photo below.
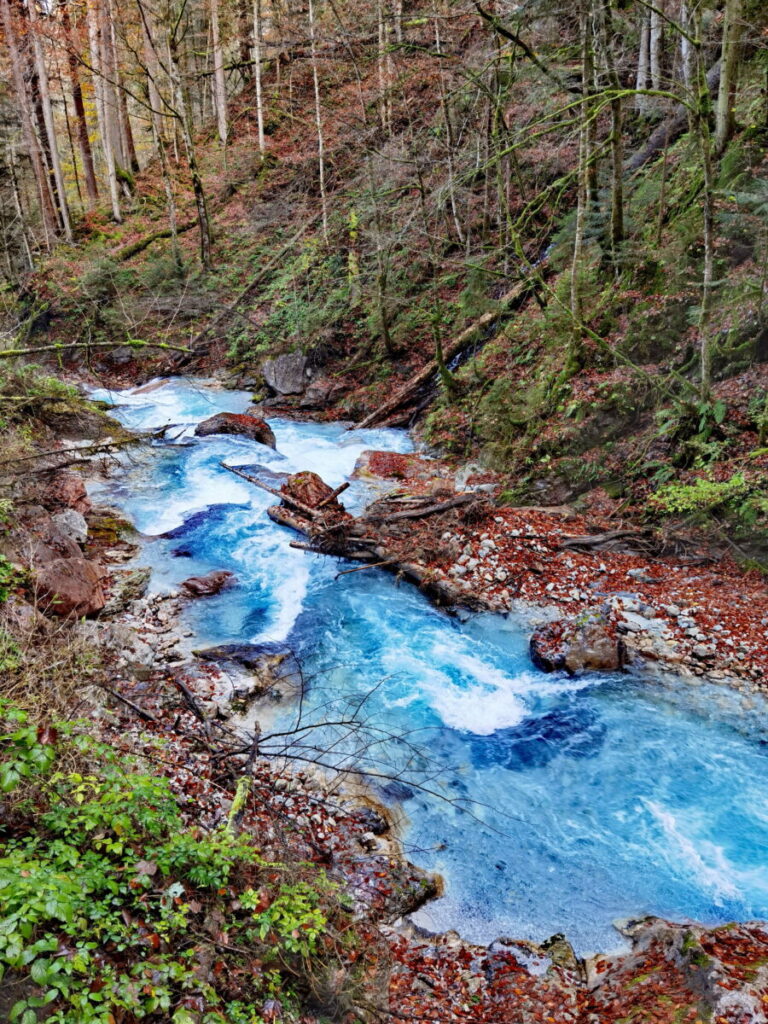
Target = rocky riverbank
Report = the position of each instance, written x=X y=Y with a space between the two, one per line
x=600 y=595
x=445 y=534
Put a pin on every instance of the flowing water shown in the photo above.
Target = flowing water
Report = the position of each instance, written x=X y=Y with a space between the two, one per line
x=548 y=804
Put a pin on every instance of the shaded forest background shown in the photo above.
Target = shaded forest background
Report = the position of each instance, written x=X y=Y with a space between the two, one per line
x=560 y=209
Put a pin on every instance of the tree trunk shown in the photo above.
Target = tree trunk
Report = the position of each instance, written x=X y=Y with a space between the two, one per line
x=729 y=73
x=155 y=103
x=643 y=63
x=185 y=127
x=31 y=141
x=19 y=209
x=83 y=141
x=219 y=82
x=257 y=74
x=50 y=129
x=701 y=123
x=656 y=44
x=95 y=22
x=318 y=120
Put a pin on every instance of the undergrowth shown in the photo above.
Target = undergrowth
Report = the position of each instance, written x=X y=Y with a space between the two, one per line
x=115 y=909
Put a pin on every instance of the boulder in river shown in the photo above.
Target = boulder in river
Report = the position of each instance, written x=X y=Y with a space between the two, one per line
x=587 y=643
x=287 y=374
x=239 y=424
x=312 y=491
x=208 y=585
x=70 y=587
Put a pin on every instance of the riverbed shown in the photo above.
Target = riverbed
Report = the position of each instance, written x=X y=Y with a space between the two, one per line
x=548 y=804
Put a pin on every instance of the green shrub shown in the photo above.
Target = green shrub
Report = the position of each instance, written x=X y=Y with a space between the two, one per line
x=108 y=897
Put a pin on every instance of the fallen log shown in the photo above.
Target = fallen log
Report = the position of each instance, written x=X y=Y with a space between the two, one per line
x=450 y=350
x=334 y=494
x=671 y=128
x=418 y=513
x=593 y=540
x=129 y=251
x=287 y=498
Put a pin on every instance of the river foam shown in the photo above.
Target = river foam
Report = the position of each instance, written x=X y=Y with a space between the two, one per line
x=548 y=804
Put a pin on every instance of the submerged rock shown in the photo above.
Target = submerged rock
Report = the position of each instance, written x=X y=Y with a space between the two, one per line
x=274 y=667
x=208 y=585
x=237 y=423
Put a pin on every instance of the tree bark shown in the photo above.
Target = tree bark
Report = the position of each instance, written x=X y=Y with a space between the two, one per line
x=220 y=84
x=83 y=141
x=45 y=99
x=257 y=74
x=185 y=126
x=31 y=141
x=318 y=120
x=724 y=116
x=95 y=23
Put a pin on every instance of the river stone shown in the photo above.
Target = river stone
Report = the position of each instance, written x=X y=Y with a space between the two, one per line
x=70 y=587
x=287 y=374
x=311 y=490
x=208 y=585
x=321 y=393
x=274 y=667
x=73 y=524
x=239 y=424
x=127 y=585
x=586 y=643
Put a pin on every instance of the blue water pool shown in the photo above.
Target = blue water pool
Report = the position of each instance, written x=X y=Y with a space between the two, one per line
x=548 y=804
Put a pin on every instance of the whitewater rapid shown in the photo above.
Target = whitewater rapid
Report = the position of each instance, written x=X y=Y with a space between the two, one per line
x=548 y=804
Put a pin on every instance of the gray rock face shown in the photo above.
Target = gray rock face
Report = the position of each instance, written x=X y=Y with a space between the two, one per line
x=287 y=374
x=72 y=523
x=274 y=667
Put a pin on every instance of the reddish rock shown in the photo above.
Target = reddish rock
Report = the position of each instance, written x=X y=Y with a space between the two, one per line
x=585 y=644
x=67 y=490
x=311 y=490
x=70 y=587
x=237 y=423
x=420 y=473
x=208 y=585
x=321 y=393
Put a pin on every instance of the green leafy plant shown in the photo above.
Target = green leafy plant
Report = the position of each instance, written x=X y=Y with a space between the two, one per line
x=106 y=892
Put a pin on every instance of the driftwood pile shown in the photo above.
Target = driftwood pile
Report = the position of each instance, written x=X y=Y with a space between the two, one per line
x=381 y=536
